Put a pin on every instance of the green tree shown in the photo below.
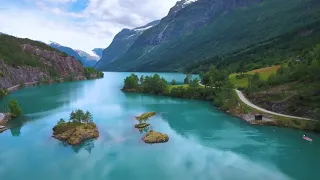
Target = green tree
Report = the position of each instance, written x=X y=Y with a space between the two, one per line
x=79 y=115
x=141 y=79
x=131 y=82
x=187 y=79
x=72 y=116
x=14 y=108
x=3 y=92
x=61 y=121
x=87 y=117
x=173 y=82
x=194 y=83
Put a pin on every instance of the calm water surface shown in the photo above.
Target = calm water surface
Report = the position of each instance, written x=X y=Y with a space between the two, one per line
x=205 y=143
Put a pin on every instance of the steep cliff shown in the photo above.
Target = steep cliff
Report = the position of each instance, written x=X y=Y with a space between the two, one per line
x=27 y=61
x=202 y=29
x=120 y=44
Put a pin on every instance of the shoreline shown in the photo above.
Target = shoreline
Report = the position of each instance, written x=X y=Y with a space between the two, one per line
x=249 y=116
x=35 y=83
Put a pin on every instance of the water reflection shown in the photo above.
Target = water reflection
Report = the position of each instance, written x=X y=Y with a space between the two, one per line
x=87 y=145
x=145 y=130
x=16 y=131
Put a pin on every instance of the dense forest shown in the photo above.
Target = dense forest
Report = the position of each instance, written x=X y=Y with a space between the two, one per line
x=222 y=95
x=12 y=54
x=293 y=45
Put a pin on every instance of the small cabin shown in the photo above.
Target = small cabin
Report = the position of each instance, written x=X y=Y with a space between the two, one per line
x=258 y=117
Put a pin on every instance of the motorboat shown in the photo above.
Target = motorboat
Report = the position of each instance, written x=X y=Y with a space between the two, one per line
x=307 y=138
x=2 y=127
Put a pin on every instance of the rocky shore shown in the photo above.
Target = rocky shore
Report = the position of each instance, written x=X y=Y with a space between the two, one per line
x=4 y=119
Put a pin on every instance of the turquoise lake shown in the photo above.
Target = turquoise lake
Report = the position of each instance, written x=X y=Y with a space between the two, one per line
x=205 y=143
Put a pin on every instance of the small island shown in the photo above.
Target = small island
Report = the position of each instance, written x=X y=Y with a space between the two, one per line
x=153 y=137
x=145 y=116
x=79 y=129
x=141 y=125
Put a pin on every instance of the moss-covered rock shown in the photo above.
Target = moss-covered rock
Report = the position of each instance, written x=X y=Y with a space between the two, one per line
x=155 y=137
x=145 y=116
x=75 y=133
x=141 y=125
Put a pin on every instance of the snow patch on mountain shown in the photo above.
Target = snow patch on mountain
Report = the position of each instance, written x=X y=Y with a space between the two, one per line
x=189 y=1
x=143 y=29
x=90 y=55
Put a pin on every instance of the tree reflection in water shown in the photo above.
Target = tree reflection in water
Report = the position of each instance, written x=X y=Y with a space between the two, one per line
x=87 y=145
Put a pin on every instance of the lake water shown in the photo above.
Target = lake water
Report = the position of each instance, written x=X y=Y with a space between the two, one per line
x=205 y=143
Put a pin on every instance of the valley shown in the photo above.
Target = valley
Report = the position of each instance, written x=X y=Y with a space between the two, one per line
x=208 y=89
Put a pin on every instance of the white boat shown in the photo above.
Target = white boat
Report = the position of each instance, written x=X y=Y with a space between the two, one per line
x=2 y=127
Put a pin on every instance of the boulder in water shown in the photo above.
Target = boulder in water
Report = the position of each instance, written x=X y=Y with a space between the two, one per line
x=155 y=137
x=141 y=125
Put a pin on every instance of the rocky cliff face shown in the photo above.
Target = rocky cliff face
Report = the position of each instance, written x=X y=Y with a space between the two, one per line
x=121 y=43
x=49 y=63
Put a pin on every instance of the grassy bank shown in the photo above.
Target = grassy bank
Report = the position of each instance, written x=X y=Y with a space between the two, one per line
x=241 y=80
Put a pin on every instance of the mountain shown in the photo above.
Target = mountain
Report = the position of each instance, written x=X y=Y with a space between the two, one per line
x=25 y=61
x=201 y=30
x=98 y=51
x=121 y=43
x=66 y=50
x=88 y=59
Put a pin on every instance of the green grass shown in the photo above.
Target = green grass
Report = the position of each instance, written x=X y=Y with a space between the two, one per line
x=264 y=75
x=176 y=86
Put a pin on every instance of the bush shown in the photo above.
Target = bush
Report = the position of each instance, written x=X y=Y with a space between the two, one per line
x=3 y=92
x=173 y=82
x=14 y=108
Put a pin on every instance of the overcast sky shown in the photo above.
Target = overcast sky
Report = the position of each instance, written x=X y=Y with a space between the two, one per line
x=80 y=24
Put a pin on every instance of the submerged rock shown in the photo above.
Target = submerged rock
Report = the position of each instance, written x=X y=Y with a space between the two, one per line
x=75 y=133
x=155 y=137
x=142 y=125
x=145 y=116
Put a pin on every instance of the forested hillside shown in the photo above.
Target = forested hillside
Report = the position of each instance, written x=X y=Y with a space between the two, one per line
x=27 y=61
x=293 y=45
x=227 y=32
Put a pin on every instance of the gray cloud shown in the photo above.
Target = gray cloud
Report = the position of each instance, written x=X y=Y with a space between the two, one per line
x=94 y=26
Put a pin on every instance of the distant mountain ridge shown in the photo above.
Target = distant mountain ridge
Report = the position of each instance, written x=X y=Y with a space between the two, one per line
x=121 y=43
x=86 y=58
